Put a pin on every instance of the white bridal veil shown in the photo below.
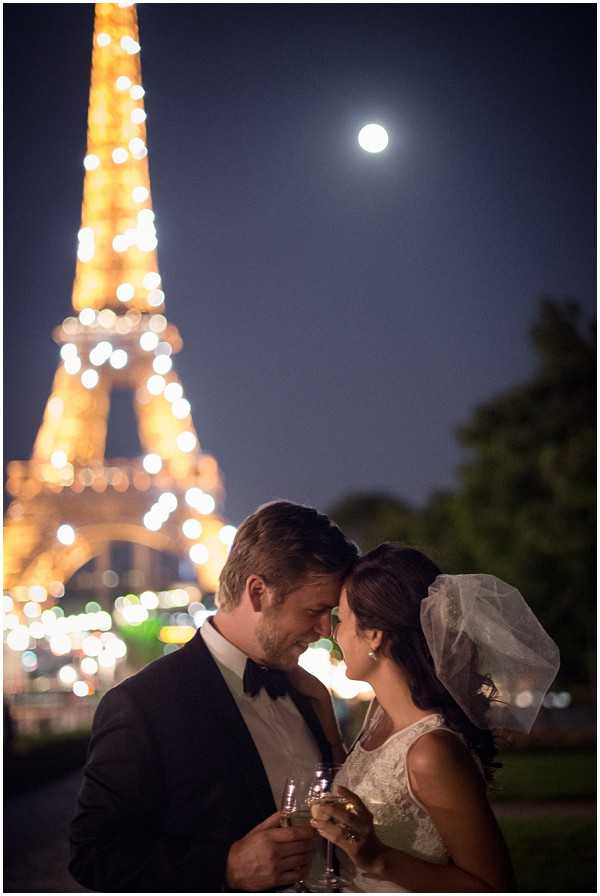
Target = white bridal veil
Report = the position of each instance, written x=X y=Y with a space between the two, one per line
x=478 y=627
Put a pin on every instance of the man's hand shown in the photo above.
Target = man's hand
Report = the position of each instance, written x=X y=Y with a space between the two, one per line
x=270 y=856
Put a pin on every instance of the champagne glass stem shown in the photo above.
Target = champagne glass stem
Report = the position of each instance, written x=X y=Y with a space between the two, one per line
x=329 y=870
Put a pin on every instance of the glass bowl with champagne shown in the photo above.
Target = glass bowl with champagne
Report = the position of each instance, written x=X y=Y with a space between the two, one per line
x=302 y=790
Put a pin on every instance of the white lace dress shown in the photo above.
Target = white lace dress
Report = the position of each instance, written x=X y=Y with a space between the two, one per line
x=379 y=777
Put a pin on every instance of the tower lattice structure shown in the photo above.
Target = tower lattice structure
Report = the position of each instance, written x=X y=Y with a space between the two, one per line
x=69 y=501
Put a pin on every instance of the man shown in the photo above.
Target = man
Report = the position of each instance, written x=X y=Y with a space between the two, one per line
x=188 y=757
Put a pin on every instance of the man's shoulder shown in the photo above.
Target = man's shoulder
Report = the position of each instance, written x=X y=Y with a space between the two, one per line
x=163 y=678
x=162 y=669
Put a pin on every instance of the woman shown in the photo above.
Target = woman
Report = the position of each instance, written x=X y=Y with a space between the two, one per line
x=418 y=816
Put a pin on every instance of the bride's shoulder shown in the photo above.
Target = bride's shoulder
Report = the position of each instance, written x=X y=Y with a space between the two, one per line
x=437 y=747
x=437 y=752
x=440 y=759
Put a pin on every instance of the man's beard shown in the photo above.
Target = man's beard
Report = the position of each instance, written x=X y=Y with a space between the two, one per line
x=272 y=644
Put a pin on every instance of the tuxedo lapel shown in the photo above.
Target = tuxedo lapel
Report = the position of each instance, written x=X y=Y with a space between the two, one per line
x=250 y=785
x=305 y=708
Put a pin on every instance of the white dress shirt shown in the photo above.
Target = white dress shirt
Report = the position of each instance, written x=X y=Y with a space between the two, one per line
x=281 y=736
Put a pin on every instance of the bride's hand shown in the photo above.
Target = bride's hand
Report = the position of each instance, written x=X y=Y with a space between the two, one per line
x=350 y=828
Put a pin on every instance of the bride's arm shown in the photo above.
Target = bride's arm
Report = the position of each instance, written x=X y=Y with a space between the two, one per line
x=447 y=783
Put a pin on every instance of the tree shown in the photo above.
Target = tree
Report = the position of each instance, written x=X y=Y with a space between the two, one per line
x=439 y=536
x=369 y=518
x=526 y=507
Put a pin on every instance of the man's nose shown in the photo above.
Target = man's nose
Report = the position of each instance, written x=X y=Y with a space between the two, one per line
x=324 y=625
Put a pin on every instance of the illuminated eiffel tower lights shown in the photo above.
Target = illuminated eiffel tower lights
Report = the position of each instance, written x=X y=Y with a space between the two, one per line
x=69 y=502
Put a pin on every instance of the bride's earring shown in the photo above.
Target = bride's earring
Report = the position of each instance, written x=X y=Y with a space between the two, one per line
x=372 y=654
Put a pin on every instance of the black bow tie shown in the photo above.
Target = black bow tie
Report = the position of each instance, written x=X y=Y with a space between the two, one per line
x=274 y=681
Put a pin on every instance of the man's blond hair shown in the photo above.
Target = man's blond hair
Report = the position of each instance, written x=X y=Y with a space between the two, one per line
x=286 y=544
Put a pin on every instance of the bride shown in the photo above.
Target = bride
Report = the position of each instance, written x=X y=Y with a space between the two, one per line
x=449 y=659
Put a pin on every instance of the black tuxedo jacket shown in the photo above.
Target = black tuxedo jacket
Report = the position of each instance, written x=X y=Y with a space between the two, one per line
x=172 y=779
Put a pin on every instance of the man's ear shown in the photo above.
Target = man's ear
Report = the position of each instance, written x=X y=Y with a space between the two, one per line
x=258 y=593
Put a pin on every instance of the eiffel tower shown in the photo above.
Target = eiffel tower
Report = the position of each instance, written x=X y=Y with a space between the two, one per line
x=69 y=501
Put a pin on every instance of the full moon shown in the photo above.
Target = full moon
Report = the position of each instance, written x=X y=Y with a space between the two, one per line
x=373 y=138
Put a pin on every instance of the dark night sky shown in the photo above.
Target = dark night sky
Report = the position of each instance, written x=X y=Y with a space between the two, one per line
x=341 y=313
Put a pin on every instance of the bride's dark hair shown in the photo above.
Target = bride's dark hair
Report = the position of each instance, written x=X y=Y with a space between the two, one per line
x=385 y=590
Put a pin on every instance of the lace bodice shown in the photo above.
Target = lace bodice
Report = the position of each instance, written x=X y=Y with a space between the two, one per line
x=379 y=777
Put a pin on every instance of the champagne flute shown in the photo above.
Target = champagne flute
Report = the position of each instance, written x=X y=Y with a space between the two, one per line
x=300 y=790
x=330 y=881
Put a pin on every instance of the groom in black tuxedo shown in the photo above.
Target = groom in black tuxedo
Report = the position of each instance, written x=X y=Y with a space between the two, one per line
x=188 y=757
